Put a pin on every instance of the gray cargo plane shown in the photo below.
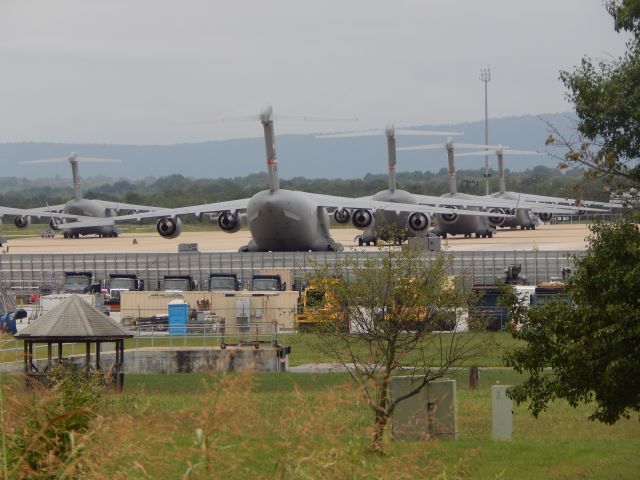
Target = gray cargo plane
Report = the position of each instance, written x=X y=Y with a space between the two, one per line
x=79 y=207
x=481 y=226
x=522 y=218
x=387 y=223
x=282 y=220
x=391 y=224
x=22 y=216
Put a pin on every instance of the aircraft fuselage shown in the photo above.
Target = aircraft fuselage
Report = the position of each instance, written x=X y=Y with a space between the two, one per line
x=287 y=221
x=88 y=208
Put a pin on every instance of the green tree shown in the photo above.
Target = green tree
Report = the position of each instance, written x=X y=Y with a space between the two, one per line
x=387 y=315
x=606 y=95
x=592 y=345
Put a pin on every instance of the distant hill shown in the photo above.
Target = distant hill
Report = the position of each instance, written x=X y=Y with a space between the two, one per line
x=299 y=155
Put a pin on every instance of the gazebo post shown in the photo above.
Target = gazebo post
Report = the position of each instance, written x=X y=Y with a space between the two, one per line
x=59 y=352
x=98 y=357
x=26 y=356
x=48 y=355
x=31 y=356
x=87 y=365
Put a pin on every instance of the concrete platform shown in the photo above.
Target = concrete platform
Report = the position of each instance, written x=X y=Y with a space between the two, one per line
x=544 y=238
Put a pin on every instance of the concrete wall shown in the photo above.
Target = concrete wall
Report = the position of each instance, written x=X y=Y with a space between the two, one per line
x=180 y=361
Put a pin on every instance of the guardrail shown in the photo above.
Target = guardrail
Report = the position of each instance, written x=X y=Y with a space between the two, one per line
x=160 y=336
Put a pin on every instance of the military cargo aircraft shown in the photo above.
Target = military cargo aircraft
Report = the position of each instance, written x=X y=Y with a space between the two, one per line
x=451 y=224
x=279 y=219
x=389 y=223
x=80 y=208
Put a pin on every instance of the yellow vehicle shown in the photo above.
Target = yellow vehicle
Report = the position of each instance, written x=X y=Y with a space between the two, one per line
x=315 y=305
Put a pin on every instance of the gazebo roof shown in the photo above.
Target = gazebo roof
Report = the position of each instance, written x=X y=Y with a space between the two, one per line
x=74 y=319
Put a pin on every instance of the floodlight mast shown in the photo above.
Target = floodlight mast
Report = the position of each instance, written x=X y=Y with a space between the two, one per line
x=485 y=77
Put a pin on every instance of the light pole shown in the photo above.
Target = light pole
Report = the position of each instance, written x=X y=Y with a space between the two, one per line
x=485 y=77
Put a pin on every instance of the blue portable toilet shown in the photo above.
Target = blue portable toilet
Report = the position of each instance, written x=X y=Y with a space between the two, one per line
x=178 y=317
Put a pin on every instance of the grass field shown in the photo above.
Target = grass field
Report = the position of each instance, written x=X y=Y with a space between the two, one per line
x=317 y=426
x=302 y=347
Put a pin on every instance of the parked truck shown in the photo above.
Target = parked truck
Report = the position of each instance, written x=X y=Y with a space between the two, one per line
x=79 y=282
x=270 y=283
x=178 y=283
x=120 y=282
x=224 y=281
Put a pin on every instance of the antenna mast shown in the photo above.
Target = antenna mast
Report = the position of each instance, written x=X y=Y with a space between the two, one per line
x=485 y=77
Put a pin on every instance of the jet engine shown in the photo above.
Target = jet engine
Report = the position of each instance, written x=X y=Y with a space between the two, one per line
x=581 y=212
x=22 y=221
x=362 y=218
x=496 y=221
x=342 y=215
x=418 y=222
x=449 y=217
x=545 y=216
x=54 y=222
x=110 y=212
x=230 y=222
x=169 y=227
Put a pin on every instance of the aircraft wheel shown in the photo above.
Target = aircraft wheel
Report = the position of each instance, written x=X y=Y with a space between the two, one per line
x=490 y=234
x=65 y=235
x=522 y=227
x=444 y=235
x=360 y=241
x=533 y=227
x=477 y=235
x=115 y=234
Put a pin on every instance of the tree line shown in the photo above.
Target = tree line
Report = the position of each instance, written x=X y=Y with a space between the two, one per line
x=178 y=190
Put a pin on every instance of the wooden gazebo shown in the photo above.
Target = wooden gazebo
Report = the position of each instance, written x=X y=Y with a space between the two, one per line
x=74 y=321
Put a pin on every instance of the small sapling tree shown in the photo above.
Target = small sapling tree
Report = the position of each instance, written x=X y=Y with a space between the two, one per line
x=395 y=312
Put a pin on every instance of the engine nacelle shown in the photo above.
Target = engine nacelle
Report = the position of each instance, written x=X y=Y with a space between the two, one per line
x=54 y=222
x=496 y=221
x=342 y=215
x=545 y=216
x=449 y=217
x=110 y=212
x=418 y=222
x=169 y=227
x=362 y=218
x=581 y=212
x=230 y=222
x=22 y=221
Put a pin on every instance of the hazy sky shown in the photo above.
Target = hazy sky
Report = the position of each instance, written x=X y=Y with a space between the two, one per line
x=120 y=71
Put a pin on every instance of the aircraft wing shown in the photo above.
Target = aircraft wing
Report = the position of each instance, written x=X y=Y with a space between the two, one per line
x=128 y=206
x=489 y=203
x=568 y=201
x=195 y=210
x=39 y=212
x=329 y=201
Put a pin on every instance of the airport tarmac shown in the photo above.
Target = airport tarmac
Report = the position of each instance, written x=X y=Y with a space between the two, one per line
x=544 y=238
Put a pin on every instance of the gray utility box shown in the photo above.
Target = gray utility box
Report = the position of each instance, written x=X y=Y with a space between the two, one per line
x=431 y=413
x=187 y=247
x=501 y=413
x=429 y=244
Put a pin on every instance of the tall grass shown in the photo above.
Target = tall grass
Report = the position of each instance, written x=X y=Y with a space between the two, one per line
x=201 y=426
